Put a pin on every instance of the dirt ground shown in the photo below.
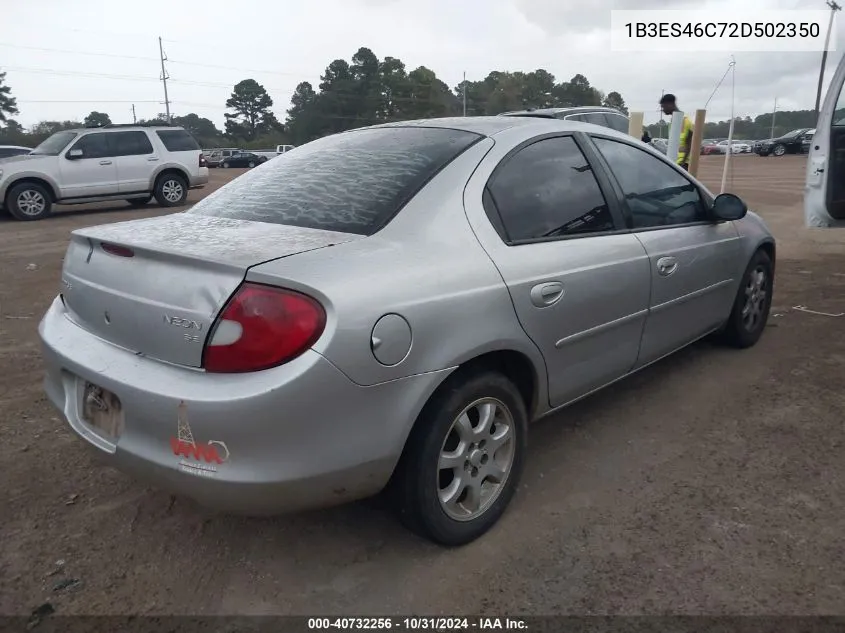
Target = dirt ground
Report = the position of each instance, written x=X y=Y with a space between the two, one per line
x=709 y=483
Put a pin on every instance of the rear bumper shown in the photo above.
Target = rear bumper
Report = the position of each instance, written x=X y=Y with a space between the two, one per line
x=291 y=438
x=199 y=179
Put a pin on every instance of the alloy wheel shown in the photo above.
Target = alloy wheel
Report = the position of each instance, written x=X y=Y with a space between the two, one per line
x=172 y=190
x=476 y=459
x=31 y=202
x=756 y=292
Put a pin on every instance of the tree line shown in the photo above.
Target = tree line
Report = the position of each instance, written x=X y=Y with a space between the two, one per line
x=367 y=90
x=746 y=128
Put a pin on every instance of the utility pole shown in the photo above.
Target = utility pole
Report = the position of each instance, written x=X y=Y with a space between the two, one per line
x=164 y=78
x=134 y=120
x=833 y=9
x=774 y=112
x=660 y=110
x=464 y=91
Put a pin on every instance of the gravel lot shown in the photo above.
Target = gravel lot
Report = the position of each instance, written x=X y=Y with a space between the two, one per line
x=710 y=483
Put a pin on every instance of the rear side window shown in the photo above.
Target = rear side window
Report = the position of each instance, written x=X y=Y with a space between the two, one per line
x=617 y=122
x=130 y=144
x=178 y=140
x=354 y=182
x=596 y=118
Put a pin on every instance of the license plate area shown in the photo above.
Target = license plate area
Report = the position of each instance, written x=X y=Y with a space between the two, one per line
x=102 y=411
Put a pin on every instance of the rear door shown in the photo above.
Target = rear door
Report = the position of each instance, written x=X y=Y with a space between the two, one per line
x=94 y=173
x=579 y=286
x=824 y=190
x=135 y=159
x=694 y=262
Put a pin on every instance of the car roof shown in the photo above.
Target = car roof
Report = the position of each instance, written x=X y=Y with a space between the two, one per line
x=492 y=125
x=554 y=112
x=125 y=127
x=14 y=147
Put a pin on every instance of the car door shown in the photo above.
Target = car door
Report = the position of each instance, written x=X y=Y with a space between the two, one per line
x=824 y=190
x=135 y=159
x=694 y=261
x=88 y=168
x=578 y=281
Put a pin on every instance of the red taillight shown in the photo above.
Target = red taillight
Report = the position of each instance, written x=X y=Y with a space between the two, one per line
x=203 y=162
x=120 y=251
x=262 y=327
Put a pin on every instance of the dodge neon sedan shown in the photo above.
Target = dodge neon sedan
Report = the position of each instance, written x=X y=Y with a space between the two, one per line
x=388 y=308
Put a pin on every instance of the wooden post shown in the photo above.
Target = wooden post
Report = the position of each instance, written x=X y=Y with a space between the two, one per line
x=674 y=141
x=695 y=146
x=635 y=124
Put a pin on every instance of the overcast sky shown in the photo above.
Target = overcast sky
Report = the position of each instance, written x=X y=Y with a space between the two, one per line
x=104 y=55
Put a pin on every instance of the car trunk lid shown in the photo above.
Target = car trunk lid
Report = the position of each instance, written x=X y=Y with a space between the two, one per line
x=154 y=286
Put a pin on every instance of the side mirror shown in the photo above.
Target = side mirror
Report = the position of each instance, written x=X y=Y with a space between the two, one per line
x=727 y=207
x=75 y=153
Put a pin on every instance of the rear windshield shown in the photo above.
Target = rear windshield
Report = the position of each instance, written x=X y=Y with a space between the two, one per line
x=354 y=182
x=178 y=141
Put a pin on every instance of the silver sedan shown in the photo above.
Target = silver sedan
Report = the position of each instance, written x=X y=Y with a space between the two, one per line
x=388 y=308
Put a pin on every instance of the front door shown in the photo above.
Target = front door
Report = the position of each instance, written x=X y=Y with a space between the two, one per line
x=135 y=159
x=91 y=174
x=579 y=288
x=695 y=263
x=824 y=191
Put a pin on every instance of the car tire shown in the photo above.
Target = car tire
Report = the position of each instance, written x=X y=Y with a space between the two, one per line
x=139 y=202
x=451 y=422
x=251 y=164
x=171 y=190
x=752 y=303
x=779 y=150
x=225 y=165
x=29 y=201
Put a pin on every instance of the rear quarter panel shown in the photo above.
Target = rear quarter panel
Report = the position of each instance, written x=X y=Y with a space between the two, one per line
x=426 y=266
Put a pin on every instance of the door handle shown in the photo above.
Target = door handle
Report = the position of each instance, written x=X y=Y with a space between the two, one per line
x=105 y=162
x=547 y=294
x=667 y=265
x=152 y=158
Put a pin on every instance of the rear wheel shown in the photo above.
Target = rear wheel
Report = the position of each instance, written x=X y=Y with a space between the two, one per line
x=139 y=202
x=29 y=201
x=251 y=164
x=225 y=165
x=752 y=304
x=171 y=190
x=463 y=460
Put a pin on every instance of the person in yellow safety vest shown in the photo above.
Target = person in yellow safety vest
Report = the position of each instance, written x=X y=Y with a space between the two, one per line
x=669 y=106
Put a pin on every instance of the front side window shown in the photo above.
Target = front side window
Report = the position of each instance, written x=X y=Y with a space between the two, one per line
x=93 y=145
x=656 y=194
x=547 y=190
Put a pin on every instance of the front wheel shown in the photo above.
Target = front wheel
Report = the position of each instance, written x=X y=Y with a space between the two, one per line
x=463 y=460
x=171 y=190
x=225 y=165
x=752 y=304
x=251 y=164
x=779 y=150
x=29 y=201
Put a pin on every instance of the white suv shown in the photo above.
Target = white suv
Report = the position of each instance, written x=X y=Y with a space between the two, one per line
x=115 y=162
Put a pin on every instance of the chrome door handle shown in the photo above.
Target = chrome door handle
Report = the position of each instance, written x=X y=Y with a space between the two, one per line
x=152 y=158
x=547 y=294
x=667 y=265
x=105 y=162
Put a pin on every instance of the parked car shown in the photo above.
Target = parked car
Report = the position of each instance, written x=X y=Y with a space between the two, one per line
x=114 y=162
x=791 y=143
x=242 y=159
x=737 y=147
x=269 y=153
x=711 y=146
x=7 y=151
x=605 y=117
x=215 y=156
x=389 y=307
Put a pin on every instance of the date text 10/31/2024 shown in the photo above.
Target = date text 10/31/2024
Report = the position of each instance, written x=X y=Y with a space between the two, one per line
x=417 y=623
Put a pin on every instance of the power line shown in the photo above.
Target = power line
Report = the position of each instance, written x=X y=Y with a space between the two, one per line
x=68 y=52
